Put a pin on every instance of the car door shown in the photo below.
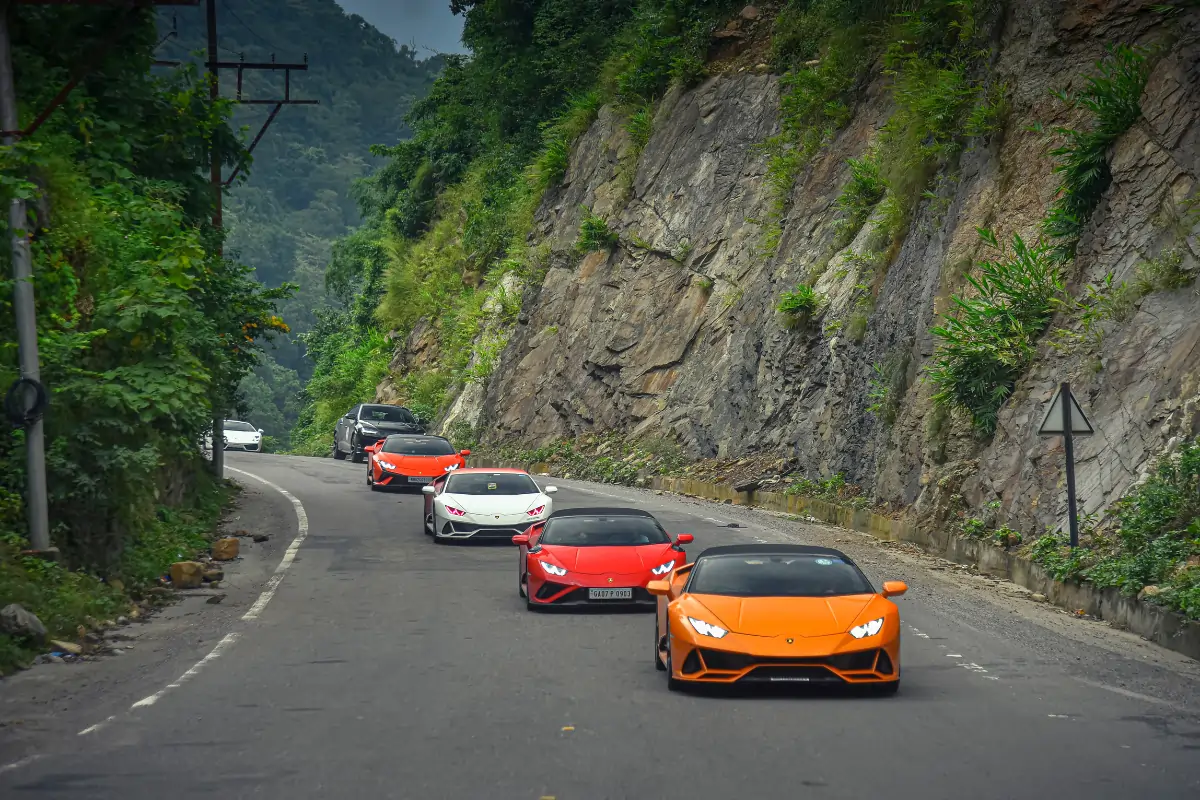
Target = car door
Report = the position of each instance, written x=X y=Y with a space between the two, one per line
x=678 y=580
x=346 y=426
x=439 y=486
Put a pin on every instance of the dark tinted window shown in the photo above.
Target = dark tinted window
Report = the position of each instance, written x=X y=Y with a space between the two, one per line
x=491 y=483
x=418 y=446
x=386 y=414
x=235 y=425
x=774 y=575
x=603 y=531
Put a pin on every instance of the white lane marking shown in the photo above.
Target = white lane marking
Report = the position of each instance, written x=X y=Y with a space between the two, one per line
x=1125 y=692
x=953 y=655
x=96 y=727
x=288 y=557
x=24 y=762
x=213 y=655
x=593 y=491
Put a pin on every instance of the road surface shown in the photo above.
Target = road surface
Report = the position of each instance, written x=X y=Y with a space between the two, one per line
x=385 y=666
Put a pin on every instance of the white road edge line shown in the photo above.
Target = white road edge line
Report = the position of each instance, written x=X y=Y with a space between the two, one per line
x=24 y=762
x=288 y=557
x=1124 y=692
x=96 y=727
x=213 y=655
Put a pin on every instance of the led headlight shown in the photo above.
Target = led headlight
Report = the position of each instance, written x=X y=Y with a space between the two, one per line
x=536 y=511
x=663 y=569
x=867 y=628
x=706 y=628
x=386 y=464
x=553 y=569
x=455 y=512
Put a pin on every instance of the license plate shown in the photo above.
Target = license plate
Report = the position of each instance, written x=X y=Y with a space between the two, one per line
x=778 y=679
x=420 y=480
x=610 y=594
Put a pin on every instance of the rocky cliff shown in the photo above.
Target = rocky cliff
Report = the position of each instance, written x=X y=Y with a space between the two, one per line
x=674 y=331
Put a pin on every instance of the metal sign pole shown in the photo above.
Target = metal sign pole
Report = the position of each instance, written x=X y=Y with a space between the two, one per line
x=1069 y=446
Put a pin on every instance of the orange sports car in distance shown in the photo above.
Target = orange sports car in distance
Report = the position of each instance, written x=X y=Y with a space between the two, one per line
x=411 y=460
x=776 y=614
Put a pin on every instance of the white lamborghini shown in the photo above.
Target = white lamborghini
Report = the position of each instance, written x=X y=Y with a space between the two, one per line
x=493 y=504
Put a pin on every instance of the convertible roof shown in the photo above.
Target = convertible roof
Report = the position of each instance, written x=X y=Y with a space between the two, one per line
x=415 y=436
x=771 y=549
x=600 y=512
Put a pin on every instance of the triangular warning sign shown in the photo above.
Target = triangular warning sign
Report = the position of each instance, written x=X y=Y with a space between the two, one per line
x=1054 y=424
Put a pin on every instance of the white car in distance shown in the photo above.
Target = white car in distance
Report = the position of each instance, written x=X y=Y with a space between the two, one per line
x=491 y=504
x=238 y=436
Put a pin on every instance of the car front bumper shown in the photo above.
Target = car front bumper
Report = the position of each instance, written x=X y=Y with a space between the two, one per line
x=466 y=528
x=709 y=662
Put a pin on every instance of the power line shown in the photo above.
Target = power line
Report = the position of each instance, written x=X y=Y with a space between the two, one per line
x=253 y=32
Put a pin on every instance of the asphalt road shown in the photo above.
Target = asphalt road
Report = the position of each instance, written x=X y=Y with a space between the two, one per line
x=389 y=667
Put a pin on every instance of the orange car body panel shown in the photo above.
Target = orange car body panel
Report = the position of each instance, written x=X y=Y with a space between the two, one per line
x=409 y=466
x=778 y=633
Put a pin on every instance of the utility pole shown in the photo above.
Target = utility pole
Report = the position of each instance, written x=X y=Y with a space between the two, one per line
x=214 y=66
x=37 y=507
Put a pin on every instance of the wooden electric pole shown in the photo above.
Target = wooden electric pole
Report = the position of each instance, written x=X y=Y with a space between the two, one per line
x=214 y=67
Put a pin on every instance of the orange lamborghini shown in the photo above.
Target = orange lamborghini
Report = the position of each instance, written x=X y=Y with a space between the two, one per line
x=776 y=614
x=410 y=460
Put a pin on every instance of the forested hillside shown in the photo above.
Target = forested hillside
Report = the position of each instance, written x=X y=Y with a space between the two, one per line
x=300 y=196
x=143 y=331
x=848 y=246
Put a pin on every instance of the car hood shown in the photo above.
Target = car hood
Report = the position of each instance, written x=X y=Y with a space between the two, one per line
x=624 y=560
x=495 y=504
x=394 y=427
x=420 y=465
x=241 y=436
x=780 y=616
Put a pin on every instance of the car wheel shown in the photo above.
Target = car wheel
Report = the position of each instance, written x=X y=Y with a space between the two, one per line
x=673 y=683
x=429 y=523
x=520 y=578
x=337 y=452
x=658 y=664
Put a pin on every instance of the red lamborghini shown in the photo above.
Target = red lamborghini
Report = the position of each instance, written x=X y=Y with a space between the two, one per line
x=595 y=556
x=410 y=460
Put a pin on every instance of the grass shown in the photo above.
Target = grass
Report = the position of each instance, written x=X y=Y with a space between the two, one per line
x=1152 y=546
x=833 y=489
x=801 y=304
x=594 y=234
x=858 y=198
x=888 y=386
x=988 y=338
x=65 y=599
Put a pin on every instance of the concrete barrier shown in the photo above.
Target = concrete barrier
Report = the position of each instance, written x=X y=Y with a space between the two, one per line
x=1153 y=623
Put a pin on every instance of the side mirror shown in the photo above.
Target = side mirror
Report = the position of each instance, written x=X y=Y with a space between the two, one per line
x=658 y=587
x=464 y=452
x=684 y=538
x=428 y=490
x=261 y=432
x=520 y=539
x=348 y=416
x=894 y=588
x=550 y=490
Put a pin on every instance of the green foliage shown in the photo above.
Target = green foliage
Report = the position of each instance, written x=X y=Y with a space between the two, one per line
x=1113 y=96
x=594 y=234
x=887 y=388
x=989 y=338
x=990 y=112
x=800 y=304
x=860 y=194
x=1155 y=541
x=833 y=489
x=640 y=126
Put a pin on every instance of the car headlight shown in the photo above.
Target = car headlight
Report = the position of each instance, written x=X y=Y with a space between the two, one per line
x=706 y=628
x=367 y=429
x=663 y=569
x=455 y=512
x=553 y=569
x=867 y=628
x=386 y=464
x=536 y=511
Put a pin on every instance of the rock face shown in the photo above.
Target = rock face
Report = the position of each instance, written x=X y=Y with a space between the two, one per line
x=21 y=624
x=674 y=332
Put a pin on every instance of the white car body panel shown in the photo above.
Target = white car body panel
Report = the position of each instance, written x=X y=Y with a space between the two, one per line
x=495 y=511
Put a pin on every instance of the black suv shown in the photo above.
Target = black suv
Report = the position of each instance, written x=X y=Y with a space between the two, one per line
x=364 y=425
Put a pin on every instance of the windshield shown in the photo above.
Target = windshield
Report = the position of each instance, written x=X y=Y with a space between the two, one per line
x=777 y=575
x=604 y=531
x=491 y=483
x=234 y=425
x=418 y=446
x=386 y=414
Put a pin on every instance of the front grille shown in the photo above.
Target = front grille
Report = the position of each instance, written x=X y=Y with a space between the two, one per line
x=811 y=674
x=734 y=662
x=691 y=664
x=489 y=531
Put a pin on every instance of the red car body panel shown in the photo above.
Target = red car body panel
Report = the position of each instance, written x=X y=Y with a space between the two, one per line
x=618 y=567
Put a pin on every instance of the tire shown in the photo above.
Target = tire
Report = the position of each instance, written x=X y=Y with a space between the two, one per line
x=338 y=455
x=658 y=664
x=520 y=579
x=429 y=525
x=356 y=458
x=355 y=454
x=673 y=683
